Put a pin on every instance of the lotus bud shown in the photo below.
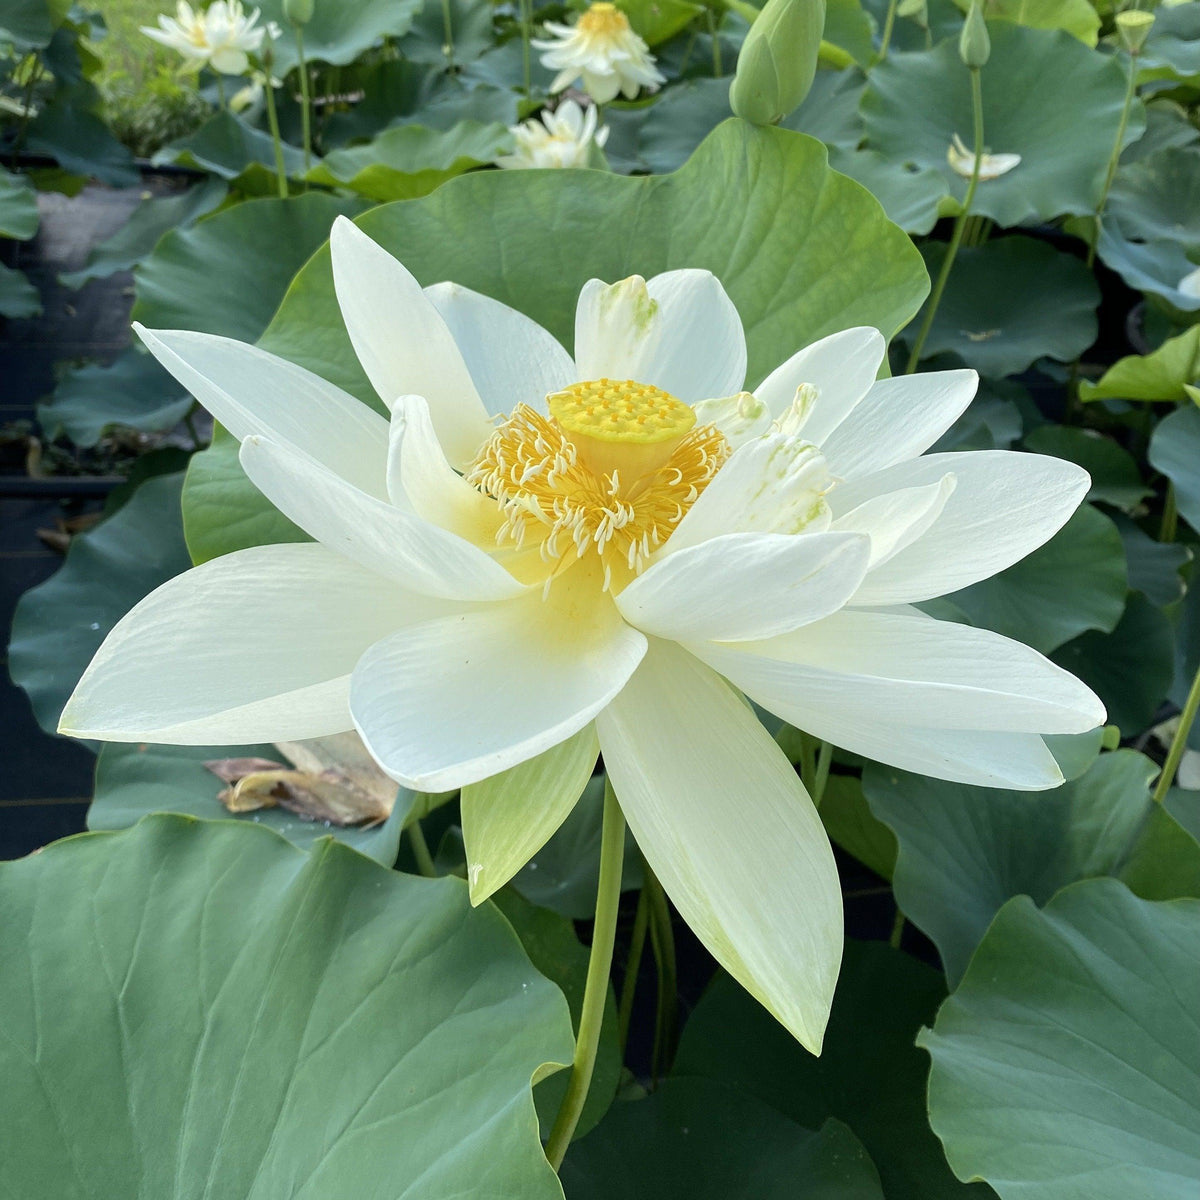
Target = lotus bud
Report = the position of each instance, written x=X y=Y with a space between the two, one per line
x=299 y=12
x=974 y=45
x=1134 y=27
x=778 y=60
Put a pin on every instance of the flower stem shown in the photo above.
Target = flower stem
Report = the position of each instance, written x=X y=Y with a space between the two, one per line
x=824 y=761
x=662 y=941
x=273 y=124
x=1179 y=742
x=448 y=34
x=1169 y=526
x=888 y=24
x=420 y=850
x=959 y=223
x=716 y=44
x=221 y=92
x=608 y=897
x=526 y=22
x=633 y=965
x=305 y=100
x=897 y=930
x=1113 y=159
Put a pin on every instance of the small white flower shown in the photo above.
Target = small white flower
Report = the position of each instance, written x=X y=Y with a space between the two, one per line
x=562 y=138
x=1189 y=285
x=221 y=36
x=604 y=50
x=542 y=545
x=962 y=161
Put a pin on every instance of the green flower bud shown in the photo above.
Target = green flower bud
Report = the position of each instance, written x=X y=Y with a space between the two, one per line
x=974 y=45
x=1133 y=27
x=299 y=12
x=778 y=60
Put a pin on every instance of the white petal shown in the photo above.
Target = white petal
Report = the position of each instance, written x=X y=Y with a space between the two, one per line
x=898 y=419
x=771 y=484
x=896 y=519
x=508 y=818
x=511 y=358
x=252 y=392
x=858 y=668
x=727 y=827
x=679 y=332
x=257 y=646
x=842 y=367
x=403 y=344
x=746 y=585
x=375 y=534
x=1004 y=506
x=422 y=481
x=454 y=701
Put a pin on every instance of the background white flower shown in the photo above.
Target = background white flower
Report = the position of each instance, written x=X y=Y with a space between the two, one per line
x=542 y=551
x=562 y=138
x=222 y=35
x=603 y=51
x=991 y=166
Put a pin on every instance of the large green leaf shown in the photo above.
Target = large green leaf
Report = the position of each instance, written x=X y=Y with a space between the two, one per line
x=80 y=141
x=339 y=32
x=29 y=23
x=914 y=199
x=655 y=21
x=1130 y=668
x=1075 y=582
x=227 y=273
x=198 y=1009
x=849 y=822
x=18 y=206
x=1010 y=302
x=1163 y=374
x=965 y=851
x=409 y=160
x=1158 y=198
x=1164 y=862
x=133 y=392
x=1172 y=51
x=532 y=239
x=60 y=624
x=1066 y=1066
x=226 y=146
x=134 y=780
x=139 y=235
x=1076 y=17
x=1046 y=97
x=869 y=1074
x=699 y=1139
x=1175 y=451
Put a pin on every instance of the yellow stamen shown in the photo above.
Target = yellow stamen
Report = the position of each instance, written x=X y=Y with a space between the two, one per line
x=604 y=19
x=543 y=472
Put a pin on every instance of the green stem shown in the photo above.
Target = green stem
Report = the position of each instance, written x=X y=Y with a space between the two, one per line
x=221 y=93
x=960 y=221
x=595 y=992
x=888 y=24
x=420 y=850
x=808 y=762
x=633 y=965
x=662 y=940
x=1179 y=741
x=716 y=45
x=273 y=125
x=687 y=50
x=526 y=22
x=448 y=34
x=1169 y=527
x=824 y=761
x=1113 y=158
x=305 y=100
x=897 y=931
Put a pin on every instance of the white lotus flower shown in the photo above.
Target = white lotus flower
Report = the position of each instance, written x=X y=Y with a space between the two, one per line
x=603 y=50
x=562 y=138
x=633 y=542
x=991 y=166
x=221 y=35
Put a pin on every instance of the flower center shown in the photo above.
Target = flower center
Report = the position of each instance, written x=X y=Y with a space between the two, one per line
x=611 y=471
x=607 y=20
